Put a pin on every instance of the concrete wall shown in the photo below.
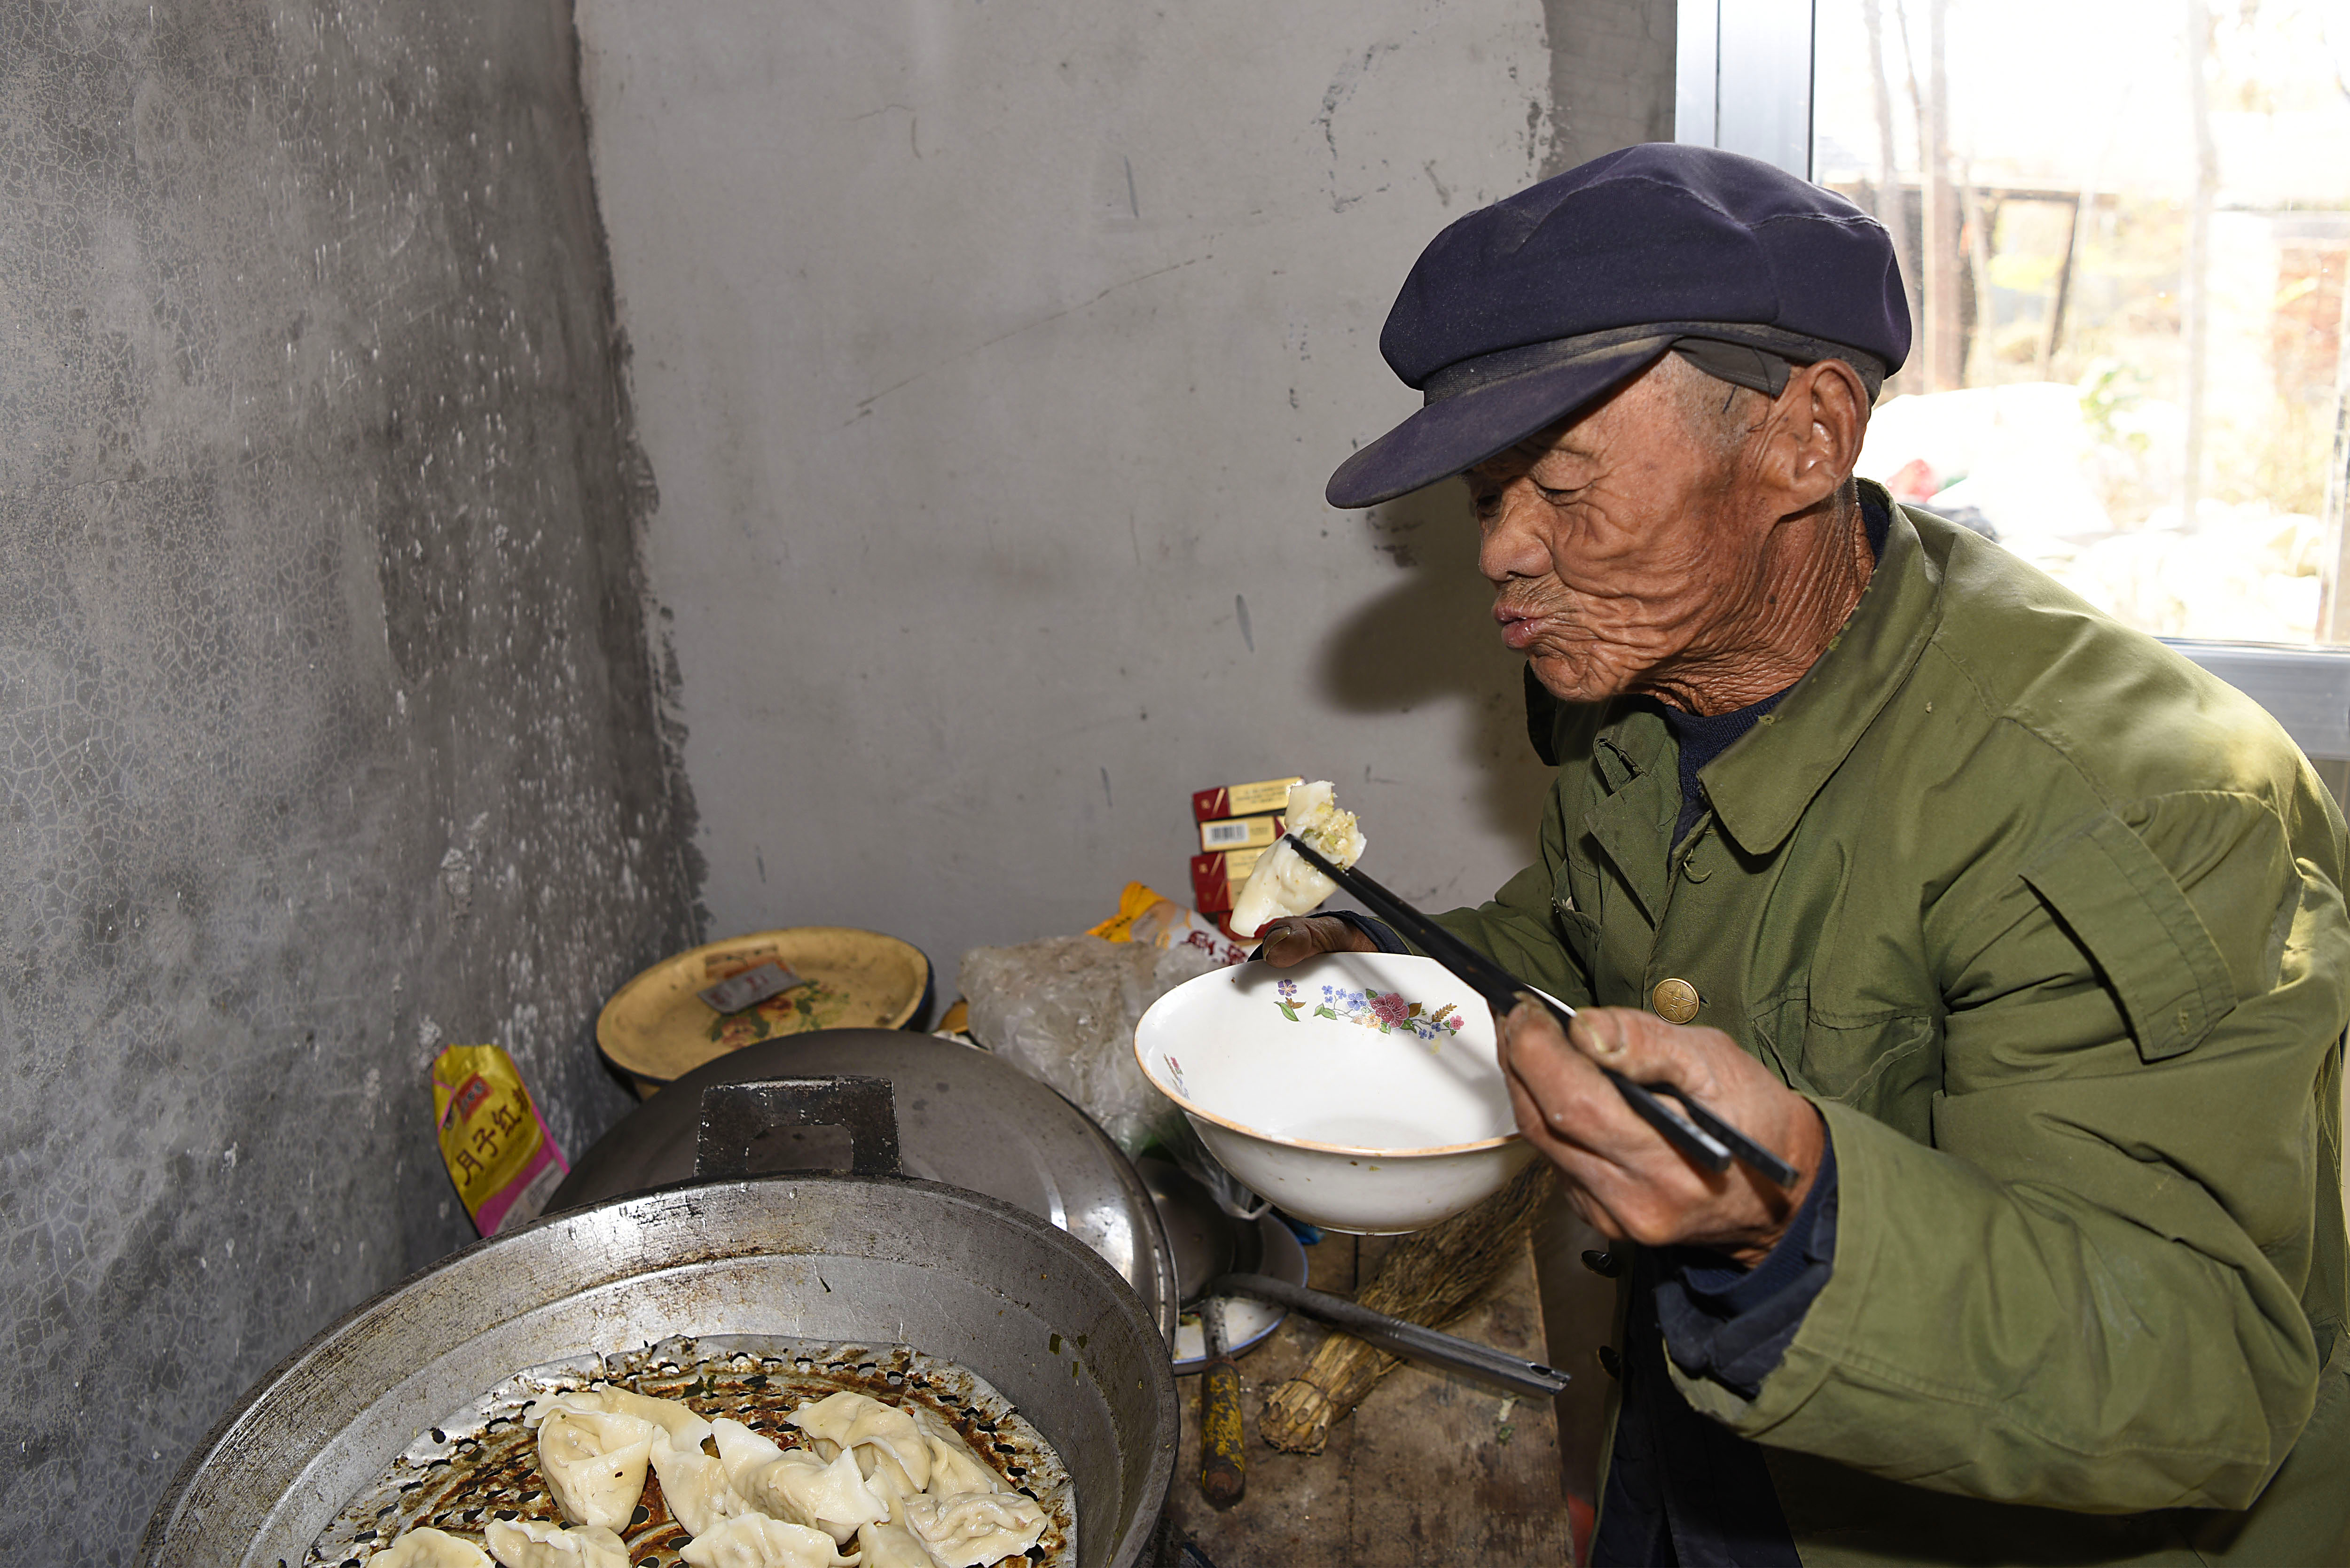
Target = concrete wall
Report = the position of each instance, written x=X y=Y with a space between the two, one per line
x=993 y=357
x=1611 y=76
x=326 y=733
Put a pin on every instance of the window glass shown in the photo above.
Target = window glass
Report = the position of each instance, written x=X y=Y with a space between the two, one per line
x=2124 y=226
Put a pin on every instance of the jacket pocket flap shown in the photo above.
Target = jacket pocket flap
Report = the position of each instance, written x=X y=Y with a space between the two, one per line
x=2123 y=906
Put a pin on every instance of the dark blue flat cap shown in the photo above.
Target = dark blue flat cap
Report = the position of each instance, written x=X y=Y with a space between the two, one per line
x=1524 y=311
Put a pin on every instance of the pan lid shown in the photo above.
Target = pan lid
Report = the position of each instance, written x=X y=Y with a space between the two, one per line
x=965 y=1117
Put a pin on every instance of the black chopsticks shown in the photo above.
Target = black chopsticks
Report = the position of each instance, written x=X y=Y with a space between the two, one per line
x=1701 y=1135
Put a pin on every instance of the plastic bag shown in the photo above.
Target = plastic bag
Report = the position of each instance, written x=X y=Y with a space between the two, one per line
x=1063 y=1009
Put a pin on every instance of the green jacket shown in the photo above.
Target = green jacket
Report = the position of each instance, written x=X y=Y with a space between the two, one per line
x=2050 y=925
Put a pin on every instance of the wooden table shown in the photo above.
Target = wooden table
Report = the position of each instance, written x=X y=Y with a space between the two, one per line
x=1432 y=1471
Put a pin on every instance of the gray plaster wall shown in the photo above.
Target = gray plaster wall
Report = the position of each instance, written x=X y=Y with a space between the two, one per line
x=328 y=731
x=1611 y=76
x=994 y=356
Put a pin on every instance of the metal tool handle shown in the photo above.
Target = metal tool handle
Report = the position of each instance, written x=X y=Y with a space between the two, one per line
x=1409 y=1340
x=743 y=1124
x=1223 y=1442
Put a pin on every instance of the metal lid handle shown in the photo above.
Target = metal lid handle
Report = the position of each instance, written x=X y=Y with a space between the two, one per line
x=740 y=1123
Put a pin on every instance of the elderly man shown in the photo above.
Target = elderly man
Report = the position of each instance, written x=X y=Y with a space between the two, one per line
x=2022 y=938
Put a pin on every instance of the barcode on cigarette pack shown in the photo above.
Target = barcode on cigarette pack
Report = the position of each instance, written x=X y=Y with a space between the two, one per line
x=1241 y=833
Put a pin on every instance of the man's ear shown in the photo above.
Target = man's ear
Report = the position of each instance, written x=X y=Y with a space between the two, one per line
x=1812 y=438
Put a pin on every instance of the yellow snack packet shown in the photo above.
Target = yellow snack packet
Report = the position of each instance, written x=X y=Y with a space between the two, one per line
x=1156 y=920
x=1132 y=905
x=496 y=1146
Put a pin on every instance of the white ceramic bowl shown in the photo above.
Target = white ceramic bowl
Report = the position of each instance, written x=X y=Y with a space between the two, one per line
x=1358 y=1090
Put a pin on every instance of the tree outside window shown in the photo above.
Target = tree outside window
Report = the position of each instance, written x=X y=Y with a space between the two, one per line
x=2124 y=226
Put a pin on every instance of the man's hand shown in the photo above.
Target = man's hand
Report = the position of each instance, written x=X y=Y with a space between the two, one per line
x=1621 y=1174
x=1293 y=938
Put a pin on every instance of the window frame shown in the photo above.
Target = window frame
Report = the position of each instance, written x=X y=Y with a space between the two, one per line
x=1744 y=80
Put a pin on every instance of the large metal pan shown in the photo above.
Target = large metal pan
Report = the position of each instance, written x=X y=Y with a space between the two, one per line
x=874 y=1259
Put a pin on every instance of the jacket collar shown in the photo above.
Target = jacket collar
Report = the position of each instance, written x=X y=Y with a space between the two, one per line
x=1641 y=801
x=1760 y=788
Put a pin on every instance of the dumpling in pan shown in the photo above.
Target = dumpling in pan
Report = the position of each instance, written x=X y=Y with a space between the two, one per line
x=1282 y=883
x=695 y=1485
x=754 y=1541
x=885 y=1477
x=954 y=1468
x=796 y=1486
x=685 y=1429
x=888 y=1545
x=425 y=1547
x=594 y=1462
x=977 y=1526
x=849 y=1419
x=534 y=1543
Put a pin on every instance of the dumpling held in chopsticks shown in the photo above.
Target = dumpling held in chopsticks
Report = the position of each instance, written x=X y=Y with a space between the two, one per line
x=1282 y=883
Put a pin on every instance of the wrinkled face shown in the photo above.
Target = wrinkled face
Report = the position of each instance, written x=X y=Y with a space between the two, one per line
x=1619 y=547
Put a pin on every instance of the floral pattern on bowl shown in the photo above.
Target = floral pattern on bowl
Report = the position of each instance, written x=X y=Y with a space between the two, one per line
x=1385 y=1011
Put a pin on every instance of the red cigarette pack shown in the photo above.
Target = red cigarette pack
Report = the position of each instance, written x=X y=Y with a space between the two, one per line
x=1242 y=799
x=1217 y=879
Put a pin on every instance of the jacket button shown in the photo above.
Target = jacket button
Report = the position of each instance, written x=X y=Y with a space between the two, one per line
x=1607 y=1265
x=1674 y=1000
x=1610 y=1361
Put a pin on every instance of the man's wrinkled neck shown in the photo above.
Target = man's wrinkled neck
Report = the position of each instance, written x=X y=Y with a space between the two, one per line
x=1812 y=574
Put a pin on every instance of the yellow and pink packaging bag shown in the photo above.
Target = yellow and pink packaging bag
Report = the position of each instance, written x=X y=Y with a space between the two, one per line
x=499 y=1153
